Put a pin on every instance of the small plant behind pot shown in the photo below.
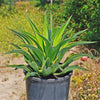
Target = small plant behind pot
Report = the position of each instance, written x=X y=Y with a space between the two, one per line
x=43 y=58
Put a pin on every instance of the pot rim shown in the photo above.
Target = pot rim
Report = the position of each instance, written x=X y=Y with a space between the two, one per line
x=59 y=79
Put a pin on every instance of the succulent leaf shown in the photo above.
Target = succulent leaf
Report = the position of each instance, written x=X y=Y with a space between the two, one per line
x=60 y=32
x=20 y=67
x=36 y=31
x=33 y=38
x=30 y=74
x=37 y=52
x=34 y=66
x=44 y=57
x=24 y=53
x=67 y=33
x=46 y=27
x=70 y=68
x=68 y=47
x=15 y=45
x=47 y=71
x=75 y=57
x=23 y=37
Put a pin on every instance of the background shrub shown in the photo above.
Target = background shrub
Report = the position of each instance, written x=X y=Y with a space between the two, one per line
x=1 y=1
x=86 y=14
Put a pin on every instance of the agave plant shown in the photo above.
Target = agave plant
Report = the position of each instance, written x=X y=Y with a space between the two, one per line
x=44 y=52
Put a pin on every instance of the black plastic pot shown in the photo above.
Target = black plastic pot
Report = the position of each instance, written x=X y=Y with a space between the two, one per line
x=48 y=89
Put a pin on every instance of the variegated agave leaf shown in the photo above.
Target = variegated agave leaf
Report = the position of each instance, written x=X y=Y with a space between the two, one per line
x=44 y=52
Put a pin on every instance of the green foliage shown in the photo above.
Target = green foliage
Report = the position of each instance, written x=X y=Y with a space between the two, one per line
x=1 y=2
x=9 y=4
x=59 y=13
x=39 y=3
x=43 y=58
x=59 y=16
x=34 y=2
x=86 y=14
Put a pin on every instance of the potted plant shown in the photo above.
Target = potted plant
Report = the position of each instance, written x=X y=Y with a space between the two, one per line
x=46 y=78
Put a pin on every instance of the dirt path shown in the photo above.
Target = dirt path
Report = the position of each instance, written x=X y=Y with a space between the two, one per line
x=12 y=86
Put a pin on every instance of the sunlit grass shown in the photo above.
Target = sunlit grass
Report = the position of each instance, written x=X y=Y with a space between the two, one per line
x=17 y=20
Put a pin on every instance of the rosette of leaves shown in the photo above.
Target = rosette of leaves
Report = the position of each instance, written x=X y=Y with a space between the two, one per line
x=46 y=51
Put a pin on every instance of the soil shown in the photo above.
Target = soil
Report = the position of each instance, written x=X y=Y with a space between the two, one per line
x=12 y=86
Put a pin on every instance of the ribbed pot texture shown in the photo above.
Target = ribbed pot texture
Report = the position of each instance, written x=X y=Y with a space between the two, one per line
x=48 y=89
